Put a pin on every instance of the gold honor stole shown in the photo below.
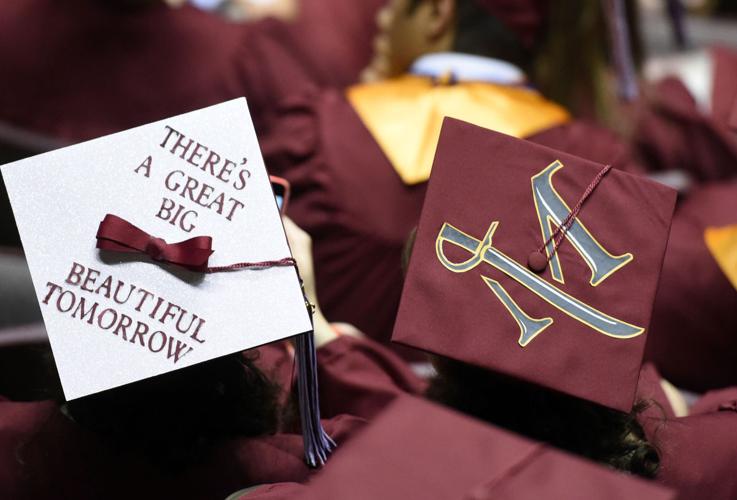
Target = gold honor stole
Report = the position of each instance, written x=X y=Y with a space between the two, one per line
x=404 y=115
x=722 y=244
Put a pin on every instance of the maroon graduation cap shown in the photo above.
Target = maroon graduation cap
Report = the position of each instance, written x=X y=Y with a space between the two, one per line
x=535 y=264
x=416 y=449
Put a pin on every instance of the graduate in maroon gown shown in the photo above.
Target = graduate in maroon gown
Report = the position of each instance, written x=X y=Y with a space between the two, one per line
x=688 y=112
x=197 y=450
x=201 y=432
x=532 y=281
x=86 y=68
x=339 y=35
x=684 y=129
x=359 y=160
x=693 y=337
x=517 y=237
x=674 y=133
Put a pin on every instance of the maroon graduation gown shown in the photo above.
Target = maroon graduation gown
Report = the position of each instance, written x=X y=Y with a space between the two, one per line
x=339 y=35
x=45 y=455
x=357 y=376
x=698 y=453
x=724 y=89
x=693 y=332
x=80 y=69
x=672 y=133
x=360 y=377
x=347 y=195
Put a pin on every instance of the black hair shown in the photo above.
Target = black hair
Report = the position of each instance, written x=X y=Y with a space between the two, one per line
x=566 y=422
x=176 y=418
x=480 y=33
x=130 y=5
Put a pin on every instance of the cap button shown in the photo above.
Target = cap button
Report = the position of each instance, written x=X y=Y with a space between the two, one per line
x=537 y=262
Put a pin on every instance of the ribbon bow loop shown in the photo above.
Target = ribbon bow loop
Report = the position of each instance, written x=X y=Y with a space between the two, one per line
x=118 y=235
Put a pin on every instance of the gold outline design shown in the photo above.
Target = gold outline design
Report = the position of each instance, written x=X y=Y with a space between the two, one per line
x=559 y=165
x=485 y=245
x=547 y=320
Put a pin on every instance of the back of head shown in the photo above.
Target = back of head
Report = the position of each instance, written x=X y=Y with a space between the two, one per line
x=175 y=418
x=572 y=424
x=563 y=46
x=480 y=31
x=409 y=29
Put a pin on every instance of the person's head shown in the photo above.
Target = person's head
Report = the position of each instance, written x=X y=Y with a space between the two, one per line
x=567 y=422
x=173 y=419
x=572 y=424
x=408 y=29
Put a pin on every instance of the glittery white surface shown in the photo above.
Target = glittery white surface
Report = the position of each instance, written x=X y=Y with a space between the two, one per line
x=59 y=199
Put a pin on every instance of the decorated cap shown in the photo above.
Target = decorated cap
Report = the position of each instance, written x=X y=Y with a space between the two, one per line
x=159 y=248
x=535 y=264
x=523 y=17
x=416 y=449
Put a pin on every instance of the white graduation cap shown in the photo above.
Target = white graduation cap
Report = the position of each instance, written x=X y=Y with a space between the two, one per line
x=158 y=248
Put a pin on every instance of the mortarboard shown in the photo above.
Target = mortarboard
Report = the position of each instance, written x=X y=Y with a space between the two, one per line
x=480 y=289
x=159 y=248
x=416 y=449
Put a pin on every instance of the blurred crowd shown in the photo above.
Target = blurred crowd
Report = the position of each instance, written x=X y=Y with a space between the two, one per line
x=348 y=100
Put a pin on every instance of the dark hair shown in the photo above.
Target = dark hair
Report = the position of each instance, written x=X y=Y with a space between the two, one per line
x=480 y=33
x=130 y=4
x=574 y=64
x=572 y=424
x=175 y=418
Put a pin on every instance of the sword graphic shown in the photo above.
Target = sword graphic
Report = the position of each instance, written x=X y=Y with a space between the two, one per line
x=483 y=251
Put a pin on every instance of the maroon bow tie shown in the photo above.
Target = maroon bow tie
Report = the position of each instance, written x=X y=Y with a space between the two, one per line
x=119 y=235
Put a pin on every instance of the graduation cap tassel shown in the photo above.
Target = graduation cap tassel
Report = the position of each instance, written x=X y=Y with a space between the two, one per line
x=557 y=236
x=616 y=15
x=317 y=444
